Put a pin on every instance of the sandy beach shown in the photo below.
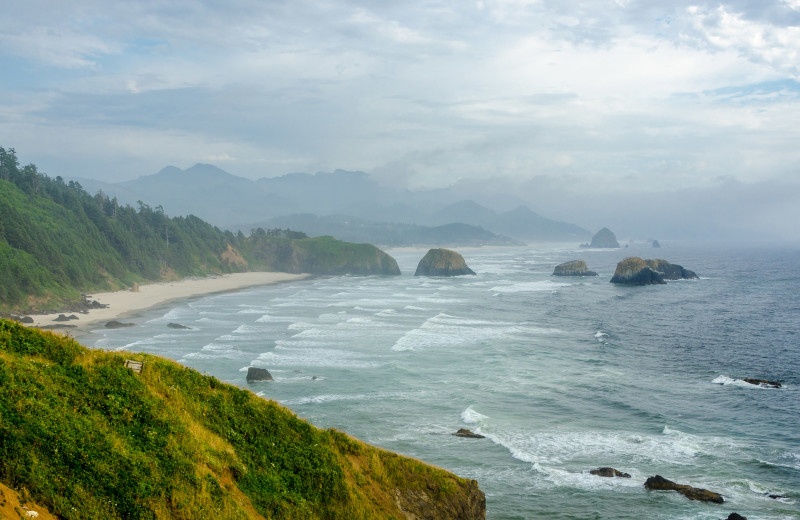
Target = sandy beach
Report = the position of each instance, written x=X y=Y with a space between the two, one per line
x=123 y=303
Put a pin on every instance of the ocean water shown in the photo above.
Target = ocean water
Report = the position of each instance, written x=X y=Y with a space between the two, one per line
x=562 y=375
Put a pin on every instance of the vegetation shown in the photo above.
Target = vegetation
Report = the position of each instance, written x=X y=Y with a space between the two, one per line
x=88 y=438
x=57 y=241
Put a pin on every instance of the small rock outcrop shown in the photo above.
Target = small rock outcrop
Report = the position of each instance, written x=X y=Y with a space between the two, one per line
x=574 y=268
x=176 y=326
x=634 y=271
x=609 y=472
x=463 y=432
x=605 y=238
x=442 y=262
x=736 y=516
x=656 y=244
x=762 y=382
x=692 y=493
x=258 y=374
x=114 y=324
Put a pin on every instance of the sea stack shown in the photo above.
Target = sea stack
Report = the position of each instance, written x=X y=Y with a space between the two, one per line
x=604 y=238
x=635 y=271
x=574 y=268
x=442 y=262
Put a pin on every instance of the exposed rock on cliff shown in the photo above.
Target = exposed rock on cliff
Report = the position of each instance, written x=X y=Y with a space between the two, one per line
x=604 y=238
x=574 y=268
x=692 y=493
x=442 y=262
x=634 y=271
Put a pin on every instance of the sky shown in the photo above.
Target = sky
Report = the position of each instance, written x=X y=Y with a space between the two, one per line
x=587 y=110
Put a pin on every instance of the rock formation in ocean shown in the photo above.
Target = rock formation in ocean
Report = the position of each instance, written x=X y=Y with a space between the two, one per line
x=736 y=516
x=442 y=262
x=573 y=268
x=604 y=238
x=463 y=432
x=635 y=271
x=258 y=374
x=692 y=493
x=114 y=324
x=762 y=382
x=656 y=244
x=177 y=326
x=609 y=472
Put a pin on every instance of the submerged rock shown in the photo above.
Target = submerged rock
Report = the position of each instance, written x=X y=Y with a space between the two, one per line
x=605 y=238
x=692 y=493
x=114 y=324
x=574 y=268
x=762 y=382
x=442 y=262
x=258 y=374
x=609 y=472
x=176 y=326
x=463 y=432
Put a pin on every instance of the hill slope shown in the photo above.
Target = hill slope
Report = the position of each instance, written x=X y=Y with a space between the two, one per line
x=88 y=438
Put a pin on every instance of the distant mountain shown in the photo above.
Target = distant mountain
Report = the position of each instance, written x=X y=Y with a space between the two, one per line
x=392 y=234
x=374 y=212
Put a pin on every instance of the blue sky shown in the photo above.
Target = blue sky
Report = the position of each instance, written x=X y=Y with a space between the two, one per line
x=558 y=101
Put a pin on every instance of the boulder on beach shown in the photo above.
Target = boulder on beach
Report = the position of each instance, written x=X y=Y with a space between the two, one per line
x=609 y=472
x=114 y=324
x=605 y=238
x=573 y=268
x=442 y=262
x=258 y=374
x=463 y=432
x=692 y=493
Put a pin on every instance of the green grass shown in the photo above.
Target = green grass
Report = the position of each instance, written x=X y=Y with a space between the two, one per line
x=89 y=438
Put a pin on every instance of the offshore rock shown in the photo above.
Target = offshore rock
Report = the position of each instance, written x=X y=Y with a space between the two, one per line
x=671 y=271
x=463 y=432
x=762 y=382
x=177 y=326
x=692 y=493
x=656 y=244
x=604 y=238
x=442 y=262
x=574 y=268
x=736 y=516
x=258 y=374
x=114 y=324
x=609 y=472
x=634 y=271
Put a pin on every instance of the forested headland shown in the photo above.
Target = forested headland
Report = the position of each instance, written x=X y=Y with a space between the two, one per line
x=57 y=241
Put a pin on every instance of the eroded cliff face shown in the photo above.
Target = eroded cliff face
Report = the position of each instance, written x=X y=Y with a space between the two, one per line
x=442 y=262
x=419 y=504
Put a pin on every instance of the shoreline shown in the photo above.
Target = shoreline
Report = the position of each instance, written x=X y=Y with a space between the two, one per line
x=126 y=302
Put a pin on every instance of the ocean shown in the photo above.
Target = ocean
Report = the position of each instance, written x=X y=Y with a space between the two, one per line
x=561 y=375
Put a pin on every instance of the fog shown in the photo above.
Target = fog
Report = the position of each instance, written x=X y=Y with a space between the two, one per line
x=656 y=119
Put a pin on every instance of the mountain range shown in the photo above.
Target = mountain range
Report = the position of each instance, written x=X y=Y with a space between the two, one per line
x=348 y=205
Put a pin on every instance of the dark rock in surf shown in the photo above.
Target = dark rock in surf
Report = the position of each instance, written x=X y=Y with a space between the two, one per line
x=176 y=326
x=692 y=493
x=258 y=374
x=574 y=268
x=463 y=432
x=762 y=382
x=609 y=472
x=114 y=324
x=736 y=516
x=442 y=262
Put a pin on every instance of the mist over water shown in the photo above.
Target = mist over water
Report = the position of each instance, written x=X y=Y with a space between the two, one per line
x=561 y=375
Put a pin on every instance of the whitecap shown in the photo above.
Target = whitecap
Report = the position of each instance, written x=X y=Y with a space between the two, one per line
x=470 y=416
x=728 y=381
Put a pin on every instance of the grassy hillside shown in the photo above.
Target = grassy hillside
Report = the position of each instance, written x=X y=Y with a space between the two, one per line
x=57 y=241
x=85 y=437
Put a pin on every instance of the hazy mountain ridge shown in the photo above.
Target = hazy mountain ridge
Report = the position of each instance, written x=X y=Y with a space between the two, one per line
x=241 y=204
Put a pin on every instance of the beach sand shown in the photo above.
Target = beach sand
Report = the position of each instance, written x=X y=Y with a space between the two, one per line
x=123 y=303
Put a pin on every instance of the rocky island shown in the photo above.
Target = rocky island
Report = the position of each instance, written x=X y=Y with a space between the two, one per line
x=604 y=238
x=573 y=268
x=636 y=271
x=442 y=262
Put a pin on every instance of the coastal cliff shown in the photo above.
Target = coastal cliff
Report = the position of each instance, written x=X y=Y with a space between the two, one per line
x=83 y=436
